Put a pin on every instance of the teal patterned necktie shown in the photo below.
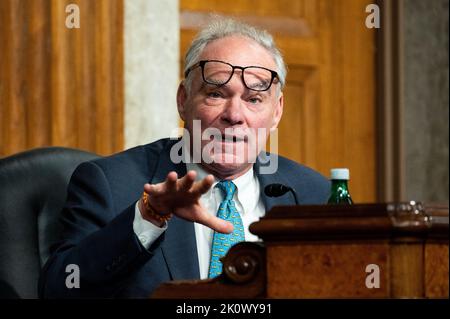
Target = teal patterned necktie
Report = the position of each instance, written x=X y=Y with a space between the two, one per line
x=223 y=242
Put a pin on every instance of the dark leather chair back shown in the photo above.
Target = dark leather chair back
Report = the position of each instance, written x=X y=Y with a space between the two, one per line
x=33 y=187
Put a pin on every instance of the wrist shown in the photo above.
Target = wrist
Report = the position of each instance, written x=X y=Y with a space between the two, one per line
x=146 y=217
x=150 y=214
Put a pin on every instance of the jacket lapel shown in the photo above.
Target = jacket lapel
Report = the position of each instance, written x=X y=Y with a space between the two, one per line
x=179 y=246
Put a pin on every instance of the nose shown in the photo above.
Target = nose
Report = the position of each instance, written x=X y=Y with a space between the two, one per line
x=232 y=114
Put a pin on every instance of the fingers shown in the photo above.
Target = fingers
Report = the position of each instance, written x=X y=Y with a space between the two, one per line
x=198 y=214
x=148 y=188
x=186 y=182
x=203 y=186
x=168 y=185
x=191 y=191
x=171 y=182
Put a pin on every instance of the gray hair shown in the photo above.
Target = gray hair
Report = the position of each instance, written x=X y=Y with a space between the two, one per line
x=223 y=27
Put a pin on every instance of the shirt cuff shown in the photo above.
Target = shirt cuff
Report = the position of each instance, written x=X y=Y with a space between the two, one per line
x=146 y=231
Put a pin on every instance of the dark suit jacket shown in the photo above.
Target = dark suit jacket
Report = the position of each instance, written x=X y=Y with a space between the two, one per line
x=98 y=217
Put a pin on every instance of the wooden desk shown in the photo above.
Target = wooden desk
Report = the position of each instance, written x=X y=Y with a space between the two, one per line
x=393 y=250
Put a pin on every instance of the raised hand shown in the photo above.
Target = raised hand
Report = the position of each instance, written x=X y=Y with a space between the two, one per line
x=181 y=197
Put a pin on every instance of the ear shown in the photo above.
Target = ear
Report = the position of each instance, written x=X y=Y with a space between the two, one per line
x=181 y=100
x=278 y=112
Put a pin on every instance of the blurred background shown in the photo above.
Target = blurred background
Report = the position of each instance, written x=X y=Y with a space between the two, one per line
x=374 y=100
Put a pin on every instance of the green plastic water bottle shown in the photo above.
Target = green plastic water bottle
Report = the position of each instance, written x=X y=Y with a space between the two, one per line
x=339 y=187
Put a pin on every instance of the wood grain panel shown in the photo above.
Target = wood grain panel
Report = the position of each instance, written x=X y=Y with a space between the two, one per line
x=240 y=7
x=102 y=75
x=5 y=58
x=38 y=79
x=329 y=270
x=407 y=258
x=436 y=269
x=117 y=76
x=13 y=18
x=58 y=75
x=61 y=86
x=329 y=119
x=85 y=82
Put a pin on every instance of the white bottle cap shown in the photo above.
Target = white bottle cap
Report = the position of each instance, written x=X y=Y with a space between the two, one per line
x=340 y=173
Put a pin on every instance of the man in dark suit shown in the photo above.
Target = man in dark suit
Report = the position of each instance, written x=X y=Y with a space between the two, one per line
x=170 y=209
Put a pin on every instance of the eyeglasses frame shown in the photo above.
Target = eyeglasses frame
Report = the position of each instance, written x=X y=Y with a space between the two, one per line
x=202 y=64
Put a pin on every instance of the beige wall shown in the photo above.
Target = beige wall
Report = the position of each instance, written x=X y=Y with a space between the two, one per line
x=151 y=45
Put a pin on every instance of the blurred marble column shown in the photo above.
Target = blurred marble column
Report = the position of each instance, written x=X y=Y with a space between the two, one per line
x=426 y=100
x=151 y=44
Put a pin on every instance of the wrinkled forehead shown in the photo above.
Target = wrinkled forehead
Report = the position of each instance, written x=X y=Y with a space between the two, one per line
x=238 y=50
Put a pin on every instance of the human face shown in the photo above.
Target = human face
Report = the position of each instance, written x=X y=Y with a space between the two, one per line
x=234 y=110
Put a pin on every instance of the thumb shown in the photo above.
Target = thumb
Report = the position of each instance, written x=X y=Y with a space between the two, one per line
x=217 y=224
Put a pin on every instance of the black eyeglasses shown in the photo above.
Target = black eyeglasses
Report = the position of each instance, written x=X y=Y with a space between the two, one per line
x=219 y=73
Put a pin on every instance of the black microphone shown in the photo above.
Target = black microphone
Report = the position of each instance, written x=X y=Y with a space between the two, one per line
x=276 y=190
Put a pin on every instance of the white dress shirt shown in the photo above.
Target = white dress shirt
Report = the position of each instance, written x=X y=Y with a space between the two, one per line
x=248 y=202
